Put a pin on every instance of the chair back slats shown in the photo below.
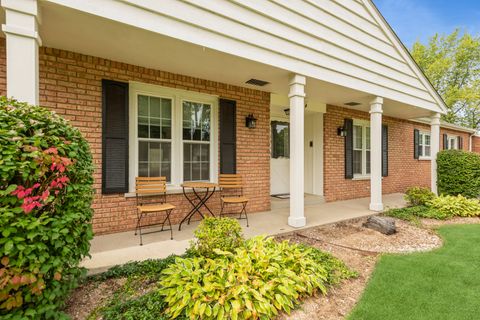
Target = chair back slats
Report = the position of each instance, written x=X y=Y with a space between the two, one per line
x=150 y=185
x=230 y=181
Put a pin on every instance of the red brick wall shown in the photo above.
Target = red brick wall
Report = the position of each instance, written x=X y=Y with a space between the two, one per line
x=403 y=170
x=70 y=84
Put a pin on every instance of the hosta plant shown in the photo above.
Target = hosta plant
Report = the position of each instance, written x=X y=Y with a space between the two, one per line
x=257 y=280
x=45 y=198
x=456 y=206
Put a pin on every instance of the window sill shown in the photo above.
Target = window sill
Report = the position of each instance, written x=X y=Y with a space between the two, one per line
x=361 y=178
x=425 y=158
x=170 y=190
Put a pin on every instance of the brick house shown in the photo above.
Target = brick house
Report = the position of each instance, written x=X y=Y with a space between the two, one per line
x=164 y=88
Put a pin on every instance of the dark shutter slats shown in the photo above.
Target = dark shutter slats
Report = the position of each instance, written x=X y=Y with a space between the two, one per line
x=114 y=137
x=445 y=141
x=228 y=136
x=348 y=127
x=460 y=143
x=384 y=150
x=416 y=143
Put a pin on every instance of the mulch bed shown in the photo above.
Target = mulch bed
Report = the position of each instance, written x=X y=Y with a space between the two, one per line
x=349 y=241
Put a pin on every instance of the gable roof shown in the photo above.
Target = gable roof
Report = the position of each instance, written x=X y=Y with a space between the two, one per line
x=402 y=49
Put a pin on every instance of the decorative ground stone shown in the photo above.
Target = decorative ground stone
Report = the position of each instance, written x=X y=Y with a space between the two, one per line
x=385 y=225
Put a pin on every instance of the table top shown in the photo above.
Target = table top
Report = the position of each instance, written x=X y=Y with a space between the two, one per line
x=199 y=185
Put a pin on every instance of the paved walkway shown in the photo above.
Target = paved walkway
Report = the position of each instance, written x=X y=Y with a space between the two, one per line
x=119 y=248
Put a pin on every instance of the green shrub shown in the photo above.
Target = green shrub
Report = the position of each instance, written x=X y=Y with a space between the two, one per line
x=458 y=173
x=216 y=233
x=412 y=214
x=256 y=281
x=456 y=206
x=149 y=306
x=418 y=196
x=45 y=210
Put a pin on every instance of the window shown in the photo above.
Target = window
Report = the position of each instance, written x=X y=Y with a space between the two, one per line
x=154 y=136
x=280 y=140
x=173 y=133
x=361 y=148
x=452 y=142
x=424 y=145
x=196 y=141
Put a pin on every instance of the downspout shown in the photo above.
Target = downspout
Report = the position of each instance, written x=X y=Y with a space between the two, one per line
x=470 y=142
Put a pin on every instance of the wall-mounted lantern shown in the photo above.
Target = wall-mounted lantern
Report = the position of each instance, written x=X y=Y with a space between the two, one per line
x=250 y=121
x=341 y=132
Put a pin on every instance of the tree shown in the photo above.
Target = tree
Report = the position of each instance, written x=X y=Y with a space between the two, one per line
x=452 y=64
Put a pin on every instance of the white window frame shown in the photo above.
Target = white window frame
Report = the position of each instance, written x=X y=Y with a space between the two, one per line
x=422 y=144
x=449 y=138
x=364 y=124
x=177 y=96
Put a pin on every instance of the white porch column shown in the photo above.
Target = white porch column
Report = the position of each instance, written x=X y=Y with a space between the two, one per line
x=434 y=148
x=376 y=111
x=21 y=30
x=297 y=106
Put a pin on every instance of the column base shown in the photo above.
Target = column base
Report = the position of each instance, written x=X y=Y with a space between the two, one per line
x=376 y=206
x=297 y=222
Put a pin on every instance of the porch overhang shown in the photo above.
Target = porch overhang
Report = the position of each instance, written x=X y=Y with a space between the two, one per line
x=141 y=33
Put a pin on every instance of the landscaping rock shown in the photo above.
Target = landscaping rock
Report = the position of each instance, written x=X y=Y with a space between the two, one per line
x=384 y=225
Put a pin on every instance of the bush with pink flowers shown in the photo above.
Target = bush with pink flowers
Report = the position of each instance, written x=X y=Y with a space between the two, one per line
x=45 y=210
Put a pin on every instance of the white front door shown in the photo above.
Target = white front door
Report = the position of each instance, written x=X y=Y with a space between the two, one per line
x=280 y=161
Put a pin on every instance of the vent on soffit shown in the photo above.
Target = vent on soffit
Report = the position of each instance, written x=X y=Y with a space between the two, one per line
x=257 y=82
x=352 y=104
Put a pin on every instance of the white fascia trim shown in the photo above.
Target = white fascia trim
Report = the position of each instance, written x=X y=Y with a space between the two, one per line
x=400 y=47
x=446 y=125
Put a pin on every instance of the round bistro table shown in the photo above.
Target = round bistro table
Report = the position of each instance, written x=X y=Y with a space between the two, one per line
x=202 y=191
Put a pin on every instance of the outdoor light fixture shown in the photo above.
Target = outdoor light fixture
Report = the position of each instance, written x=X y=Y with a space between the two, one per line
x=341 y=132
x=250 y=121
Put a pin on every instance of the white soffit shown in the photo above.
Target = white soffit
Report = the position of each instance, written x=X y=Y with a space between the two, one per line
x=343 y=42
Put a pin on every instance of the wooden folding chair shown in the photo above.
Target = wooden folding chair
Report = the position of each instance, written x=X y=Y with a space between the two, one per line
x=150 y=186
x=231 y=193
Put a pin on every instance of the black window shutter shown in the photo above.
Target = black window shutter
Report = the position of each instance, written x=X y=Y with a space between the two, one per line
x=416 y=143
x=114 y=137
x=460 y=143
x=384 y=150
x=228 y=136
x=348 y=127
x=445 y=141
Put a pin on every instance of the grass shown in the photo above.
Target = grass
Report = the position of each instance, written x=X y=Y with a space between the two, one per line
x=442 y=284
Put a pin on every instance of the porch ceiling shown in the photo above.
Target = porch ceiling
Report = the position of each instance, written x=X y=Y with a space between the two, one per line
x=69 y=29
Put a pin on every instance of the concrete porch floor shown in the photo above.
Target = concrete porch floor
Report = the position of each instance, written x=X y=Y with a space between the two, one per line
x=119 y=248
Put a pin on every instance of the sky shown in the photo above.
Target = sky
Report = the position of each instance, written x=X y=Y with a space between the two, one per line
x=416 y=20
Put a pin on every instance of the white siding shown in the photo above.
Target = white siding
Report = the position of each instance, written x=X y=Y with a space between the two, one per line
x=337 y=41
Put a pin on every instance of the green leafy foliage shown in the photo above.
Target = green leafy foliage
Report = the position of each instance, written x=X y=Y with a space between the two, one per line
x=216 y=233
x=418 y=196
x=149 y=306
x=150 y=268
x=137 y=297
x=413 y=214
x=452 y=64
x=335 y=268
x=458 y=173
x=45 y=210
x=257 y=280
x=456 y=206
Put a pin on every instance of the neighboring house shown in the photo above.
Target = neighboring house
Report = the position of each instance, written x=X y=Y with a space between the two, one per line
x=166 y=87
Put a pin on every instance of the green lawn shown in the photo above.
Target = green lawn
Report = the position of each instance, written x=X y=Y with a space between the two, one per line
x=442 y=284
